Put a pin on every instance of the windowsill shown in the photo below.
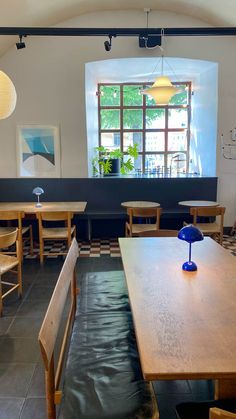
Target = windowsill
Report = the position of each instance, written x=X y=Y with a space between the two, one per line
x=151 y=176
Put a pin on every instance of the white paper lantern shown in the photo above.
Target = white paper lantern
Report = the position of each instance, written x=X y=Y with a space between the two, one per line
x=7 y=96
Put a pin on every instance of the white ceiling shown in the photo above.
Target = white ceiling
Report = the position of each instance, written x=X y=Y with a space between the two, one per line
x=52 y=12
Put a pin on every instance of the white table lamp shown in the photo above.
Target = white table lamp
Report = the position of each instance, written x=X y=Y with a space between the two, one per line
x=38 y=191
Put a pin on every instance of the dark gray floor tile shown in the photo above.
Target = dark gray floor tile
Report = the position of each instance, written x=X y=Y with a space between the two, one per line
x=47 y=280
x=171 y=387
x=31 y=308
x=34 y=408
x=10 y=308
x=166 y=404
x=5 y=322
x=52 y=266
x=37 y=384
x=15 y=379
x=10 y=408
x=23 y=327
x=19 y=350
x=39 y=292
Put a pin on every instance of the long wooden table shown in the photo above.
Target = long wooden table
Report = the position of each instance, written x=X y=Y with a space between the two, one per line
x=30 y=207
x=185 y=322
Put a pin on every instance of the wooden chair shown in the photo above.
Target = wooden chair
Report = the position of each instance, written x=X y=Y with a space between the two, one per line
x=55 y=233
x=159 y=233
x=134 y=229
x=25 y=232
x=214 y=228
x=8 y=263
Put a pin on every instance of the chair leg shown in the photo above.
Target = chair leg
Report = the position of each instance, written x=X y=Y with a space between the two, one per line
x=31 y=241
x=19 y=279
x=221 y=238
x=21 y=246
x=41 y=250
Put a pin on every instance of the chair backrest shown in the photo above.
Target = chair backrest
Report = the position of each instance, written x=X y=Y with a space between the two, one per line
x=207 y=212
x=11 y=216
x=145 y=213
x=55 y=216
x=159 y=233
x=8 y=239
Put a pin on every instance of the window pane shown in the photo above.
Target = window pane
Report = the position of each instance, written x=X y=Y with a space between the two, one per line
x=177 y=141
x=131 y=138
x=155 y=141
x=177 y=118
x=155 y=118
x=110 y=119
x=180 y=98
x=110 y=140
x=137 y=163
x=149 y=99
x=132 y=96
x=110 y=96
x=133 y=118
x=177 y=161
x=154 y=163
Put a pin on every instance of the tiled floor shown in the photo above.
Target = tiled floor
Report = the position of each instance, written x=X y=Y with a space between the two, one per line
x=98 y=247
x=21 y=373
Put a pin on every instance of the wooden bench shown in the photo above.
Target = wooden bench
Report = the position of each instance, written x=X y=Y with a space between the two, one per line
x=103 y=377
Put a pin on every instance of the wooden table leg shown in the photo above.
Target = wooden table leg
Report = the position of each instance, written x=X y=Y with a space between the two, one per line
x=225 y=389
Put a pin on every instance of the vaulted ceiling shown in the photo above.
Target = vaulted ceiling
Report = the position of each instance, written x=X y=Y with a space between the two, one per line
x=52 y=12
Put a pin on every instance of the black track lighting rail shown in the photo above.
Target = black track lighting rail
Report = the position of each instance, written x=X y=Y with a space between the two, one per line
x=38 y=31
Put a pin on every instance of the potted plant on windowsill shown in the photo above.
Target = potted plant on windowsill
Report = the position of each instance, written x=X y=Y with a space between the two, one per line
x=112 y=162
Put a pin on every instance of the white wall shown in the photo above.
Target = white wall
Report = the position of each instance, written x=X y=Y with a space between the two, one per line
x=203 y=140
x=49 y=75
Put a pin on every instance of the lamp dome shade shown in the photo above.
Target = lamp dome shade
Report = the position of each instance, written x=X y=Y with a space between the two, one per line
x=7 y=96
x=162 y=90
x=190 y=234
x=38 y=191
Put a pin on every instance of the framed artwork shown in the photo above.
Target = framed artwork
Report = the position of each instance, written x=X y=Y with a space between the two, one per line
x=38 y=151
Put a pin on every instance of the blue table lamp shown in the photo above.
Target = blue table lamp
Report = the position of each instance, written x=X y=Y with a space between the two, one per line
x=38 y=191
x=190 y=234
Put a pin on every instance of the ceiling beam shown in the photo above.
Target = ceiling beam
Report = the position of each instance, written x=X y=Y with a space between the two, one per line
x=54 y=31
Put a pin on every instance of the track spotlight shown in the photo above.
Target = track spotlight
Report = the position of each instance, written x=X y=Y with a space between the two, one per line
x=20 y=44
x=107 y=44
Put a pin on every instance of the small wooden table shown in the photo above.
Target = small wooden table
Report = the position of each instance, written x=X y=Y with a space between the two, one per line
x=140 y=204
x=30 y=207
x=185 y=322
x=196 y=203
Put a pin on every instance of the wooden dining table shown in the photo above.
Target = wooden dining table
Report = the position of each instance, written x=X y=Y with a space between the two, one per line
x=30 y=207
x=198 y=203
x=185 y=322
x=140 y=204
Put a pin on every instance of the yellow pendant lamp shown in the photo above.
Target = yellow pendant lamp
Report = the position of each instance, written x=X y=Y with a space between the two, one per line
x=7 y=96
x=162 y=90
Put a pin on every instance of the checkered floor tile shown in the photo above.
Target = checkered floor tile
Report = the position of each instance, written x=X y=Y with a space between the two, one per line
x=93 y=248
x=100 y=247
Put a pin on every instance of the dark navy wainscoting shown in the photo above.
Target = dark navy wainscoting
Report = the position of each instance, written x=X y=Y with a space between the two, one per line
x=104 y=196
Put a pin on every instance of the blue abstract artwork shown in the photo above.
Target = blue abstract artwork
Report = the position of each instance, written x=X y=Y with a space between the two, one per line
x=39 y=151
